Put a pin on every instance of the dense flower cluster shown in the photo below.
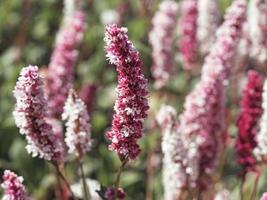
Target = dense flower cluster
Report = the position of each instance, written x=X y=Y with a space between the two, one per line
x=161 y=38
x=30 y=116
x=188 y=33
x=13 y=187
x=261 y=138
x=207 y=23
x=247 y=122
x=257 y=19
x=78 y=133
x=132 y=105
x=61 y=67
x=202 y=124
x=174 y=176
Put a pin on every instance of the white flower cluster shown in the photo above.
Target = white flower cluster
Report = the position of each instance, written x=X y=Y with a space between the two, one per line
x=174 y=178
x=78 y=133
x=261 y=150
x=257 y=19
x=207 y=21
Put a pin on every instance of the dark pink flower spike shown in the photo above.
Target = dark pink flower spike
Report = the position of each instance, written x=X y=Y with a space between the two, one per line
x=132 y=105
x=248 y=120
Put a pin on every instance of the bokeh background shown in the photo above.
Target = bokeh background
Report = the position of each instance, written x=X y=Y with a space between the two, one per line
x=27 y=33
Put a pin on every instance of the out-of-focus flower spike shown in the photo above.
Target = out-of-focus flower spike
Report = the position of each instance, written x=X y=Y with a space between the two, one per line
x=247 y=122
x=61 y=67
x=30 y=116
x=257 y=19
x=88 y=95
x=207 y=23
x=78 y=133
x=161 y=38
x=188 y=43
x=132 y=104
x=261 y=138
x=264 y=196
x=220 y=59
x=202 y=124
x=13 y=187
x=174 y=176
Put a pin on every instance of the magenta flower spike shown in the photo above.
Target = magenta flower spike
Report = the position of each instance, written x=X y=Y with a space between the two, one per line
x=78 y=133
x=161 y=39
x=248 y=121
x=188 y=43
x=30 y=117
x=61 y=67
x=132 y=105
x=13 y=187
x=202 y=123
x=257 y=20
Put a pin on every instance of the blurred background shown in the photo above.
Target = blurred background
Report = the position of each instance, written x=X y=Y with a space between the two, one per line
x=27 y=33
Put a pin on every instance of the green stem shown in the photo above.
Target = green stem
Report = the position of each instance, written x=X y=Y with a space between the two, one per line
x=117 y=183
x=64 y=180
x=254 y=192
x=85 y=187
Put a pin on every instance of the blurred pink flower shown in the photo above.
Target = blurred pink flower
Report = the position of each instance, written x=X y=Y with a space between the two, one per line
x=61 y=67
x=257 y=19
x=208 y=20
x=202 y=124
x=13 y=187
x=132 y=105
x=188 y=43
x=30 y=116
x=248 y=120
x=264 y=196
x=161 y=38
x=78 y=133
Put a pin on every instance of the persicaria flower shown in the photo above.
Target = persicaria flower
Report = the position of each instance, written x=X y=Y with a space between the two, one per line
x=161 y=38
x=264 y=196
x=188 y=43
x=78 y=133
x=132 y=105
x=61 y=67
x=207 y=22
x=30 y=116
x=247 y=122
x=201 y=131
x=174 y=175
x=261 y=138
x=257 y=19
x=13 y=187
